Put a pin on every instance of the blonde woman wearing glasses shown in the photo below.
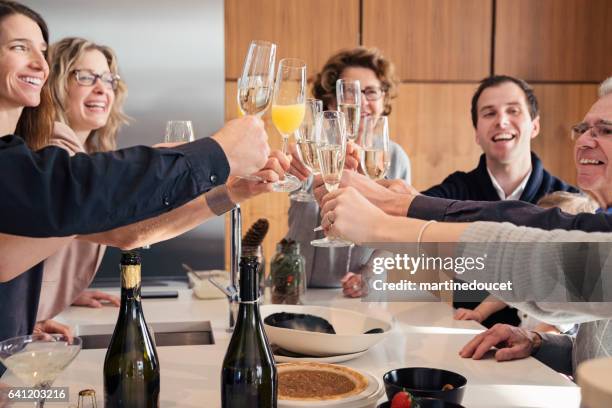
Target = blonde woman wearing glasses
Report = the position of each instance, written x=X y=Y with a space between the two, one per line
x=88 y=95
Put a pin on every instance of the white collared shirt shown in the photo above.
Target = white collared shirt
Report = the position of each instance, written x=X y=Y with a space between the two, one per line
x=516 y=194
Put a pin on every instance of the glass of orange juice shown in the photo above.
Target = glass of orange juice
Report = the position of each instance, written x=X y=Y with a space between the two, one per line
x=288 y=108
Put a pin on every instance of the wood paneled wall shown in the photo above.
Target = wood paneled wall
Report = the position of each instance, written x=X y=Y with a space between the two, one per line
x=431 y=40
x=554 y=40
x=441 y=49
x=311 y=30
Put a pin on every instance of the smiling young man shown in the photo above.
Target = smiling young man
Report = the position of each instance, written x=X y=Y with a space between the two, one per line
x=505 y=118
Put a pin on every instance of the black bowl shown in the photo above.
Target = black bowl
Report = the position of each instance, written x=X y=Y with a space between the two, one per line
x=425 y=382
x=428 y=403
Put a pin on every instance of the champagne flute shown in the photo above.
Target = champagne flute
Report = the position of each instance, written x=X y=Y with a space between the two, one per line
x=348 y=96
x=288 y=108
x=331 y=150
x=306 y=138
x=256 y=82
x=179 y=131
x=375 y=147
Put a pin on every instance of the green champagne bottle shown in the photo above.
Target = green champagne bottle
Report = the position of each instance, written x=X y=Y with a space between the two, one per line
x=131 y=367
x=249 y=377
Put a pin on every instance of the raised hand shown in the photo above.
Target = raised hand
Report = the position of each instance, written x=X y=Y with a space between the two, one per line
x=297 y=167
x=338 y=212
x=240 y=189
x=353 y=152
x=398 y=186
x=245 y=143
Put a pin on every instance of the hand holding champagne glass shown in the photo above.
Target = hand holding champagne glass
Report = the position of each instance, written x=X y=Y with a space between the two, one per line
x=331 y=150
x=375 y=158
x=288 y=108
x=256 y=82
x=306 y=138
x=348 y=96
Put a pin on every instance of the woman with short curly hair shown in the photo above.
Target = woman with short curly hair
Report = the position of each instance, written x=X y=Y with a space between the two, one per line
x=324 y=84
x=325 y=268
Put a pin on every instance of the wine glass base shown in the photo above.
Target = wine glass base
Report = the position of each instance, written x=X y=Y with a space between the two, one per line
x=331 y=243
x=289 y=184
x=302 y=197
x=251 y=177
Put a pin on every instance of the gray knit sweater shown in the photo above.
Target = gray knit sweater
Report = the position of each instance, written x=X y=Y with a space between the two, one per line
x=549 y=271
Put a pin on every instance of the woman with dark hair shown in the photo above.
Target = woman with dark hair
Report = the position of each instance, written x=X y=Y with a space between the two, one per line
x=325 y=268
x=25 y=108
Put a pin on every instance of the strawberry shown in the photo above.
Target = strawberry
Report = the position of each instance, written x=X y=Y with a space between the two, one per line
x=401 y=400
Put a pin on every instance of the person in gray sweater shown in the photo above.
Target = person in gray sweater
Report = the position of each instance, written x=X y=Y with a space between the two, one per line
x=328 y=267
x=545 y=271
x=549 y=269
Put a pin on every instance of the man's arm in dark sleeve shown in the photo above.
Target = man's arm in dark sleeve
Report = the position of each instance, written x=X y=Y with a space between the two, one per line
x=516 y=212
x=48 y=193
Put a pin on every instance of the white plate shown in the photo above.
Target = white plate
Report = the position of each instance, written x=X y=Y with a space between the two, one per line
x=331 y=359
x=367 y=398
x=349 y=326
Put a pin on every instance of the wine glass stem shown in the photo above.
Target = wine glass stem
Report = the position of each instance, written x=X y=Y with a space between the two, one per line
x=285 y=141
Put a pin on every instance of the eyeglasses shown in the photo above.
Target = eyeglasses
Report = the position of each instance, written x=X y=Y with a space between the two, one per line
x=373 y=93
x=600 y=129
x=86 y=77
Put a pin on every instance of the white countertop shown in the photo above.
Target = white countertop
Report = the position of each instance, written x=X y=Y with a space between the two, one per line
x=425 y=334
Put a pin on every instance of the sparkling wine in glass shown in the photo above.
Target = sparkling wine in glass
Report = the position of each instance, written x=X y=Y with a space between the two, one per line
x=331 y=151
x=348 y=97
x=288 y=108
x=179 y=131
x=38 y=359
x=306 y=141
x=375 y=147
x=256 y=83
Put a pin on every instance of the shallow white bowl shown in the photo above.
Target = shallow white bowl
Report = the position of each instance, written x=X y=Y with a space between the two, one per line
x=349 y=327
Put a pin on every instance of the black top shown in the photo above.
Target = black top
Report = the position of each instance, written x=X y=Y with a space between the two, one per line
x=477 y=185
x=48 y=193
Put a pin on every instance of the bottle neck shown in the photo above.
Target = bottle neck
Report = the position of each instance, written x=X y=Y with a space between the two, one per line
x=249 y=288
x=130 y=284
x=252 y=251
